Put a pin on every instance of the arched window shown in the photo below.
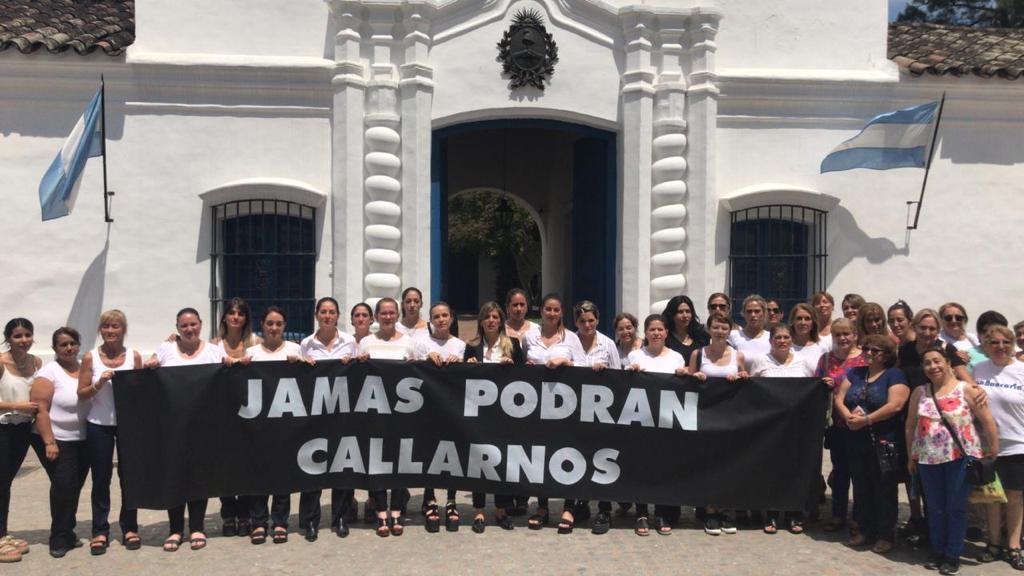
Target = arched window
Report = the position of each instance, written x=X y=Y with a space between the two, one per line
x=777 y=251
x=264 y=251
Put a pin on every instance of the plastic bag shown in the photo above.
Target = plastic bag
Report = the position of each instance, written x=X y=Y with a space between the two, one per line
x=991 y=493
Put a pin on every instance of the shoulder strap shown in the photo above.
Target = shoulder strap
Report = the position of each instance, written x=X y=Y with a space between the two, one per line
x=942 y=416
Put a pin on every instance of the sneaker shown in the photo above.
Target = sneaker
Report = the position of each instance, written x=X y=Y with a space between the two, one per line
x=712 y=527
x=950 y=568
x=602 y=523
x=727 y=527
x=934 y=562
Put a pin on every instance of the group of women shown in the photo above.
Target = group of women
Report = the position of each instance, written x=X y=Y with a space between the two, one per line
x=915 y=397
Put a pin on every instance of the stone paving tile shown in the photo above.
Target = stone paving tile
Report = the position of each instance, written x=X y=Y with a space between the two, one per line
x=496 y=552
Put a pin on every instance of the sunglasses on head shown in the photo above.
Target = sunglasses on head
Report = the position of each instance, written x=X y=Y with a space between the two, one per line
x=954 y=318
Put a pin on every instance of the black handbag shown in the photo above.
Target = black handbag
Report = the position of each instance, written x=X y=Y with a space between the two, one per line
x=887 y=453
x=980 y=471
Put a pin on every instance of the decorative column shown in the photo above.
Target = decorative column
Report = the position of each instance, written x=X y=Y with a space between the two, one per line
x=702 y=115
x=383 y=164
x=668 y=193
x=637 y=120
x=349 y=84
x=416 y=89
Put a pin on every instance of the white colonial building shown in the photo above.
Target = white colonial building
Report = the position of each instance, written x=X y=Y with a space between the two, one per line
x=282 y=151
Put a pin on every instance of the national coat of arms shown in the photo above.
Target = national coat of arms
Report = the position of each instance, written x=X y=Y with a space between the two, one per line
x=527 y=52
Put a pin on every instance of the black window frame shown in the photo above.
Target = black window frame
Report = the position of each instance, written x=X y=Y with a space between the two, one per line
x=282 y=234
x=775 y=228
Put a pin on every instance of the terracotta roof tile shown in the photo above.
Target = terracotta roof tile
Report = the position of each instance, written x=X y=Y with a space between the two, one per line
x=59 y=25
x=957 y=50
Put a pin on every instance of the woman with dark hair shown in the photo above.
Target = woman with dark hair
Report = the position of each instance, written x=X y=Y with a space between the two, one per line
x=60 y=437
x=1018 y=332
x=327 y=343
x=1002 y=377
x=721 y=303
x=773 y=313
x=655 y=356
x=871 y=320
x=95 y=383
x=898 y=317
x=943 y=433
x=832 y=368
x=186 y=350
x=626 y=339
x=552 y=346
x=18 y=369
x=686 y=333
x=492 y=346
x=870 y=401
x=824 y=304
x=986 y=320
x=412 y=325
x=517 y=305
x=851 y=307
x=274 y=347
x=361 y=317
x=388 y=344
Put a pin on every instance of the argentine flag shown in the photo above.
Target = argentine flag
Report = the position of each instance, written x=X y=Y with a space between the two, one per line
x=59 y=186
x=892 y=140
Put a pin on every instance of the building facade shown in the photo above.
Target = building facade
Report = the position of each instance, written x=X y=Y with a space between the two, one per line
x=285 y=151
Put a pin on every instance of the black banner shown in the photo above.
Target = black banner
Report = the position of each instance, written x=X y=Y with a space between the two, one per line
x=273 y=427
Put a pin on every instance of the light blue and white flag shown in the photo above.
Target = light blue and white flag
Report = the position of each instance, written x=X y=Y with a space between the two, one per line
x=892 y=140
x=59 y=186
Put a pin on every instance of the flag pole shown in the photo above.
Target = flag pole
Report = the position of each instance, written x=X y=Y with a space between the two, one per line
x=927 y=168
x=103 y=149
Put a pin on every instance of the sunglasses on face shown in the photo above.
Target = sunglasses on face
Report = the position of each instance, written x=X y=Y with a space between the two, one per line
x=1000 y=343
x=954 y=318
x=774 y=310
x=718 y=306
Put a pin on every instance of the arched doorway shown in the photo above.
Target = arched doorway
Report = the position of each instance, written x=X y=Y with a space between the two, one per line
x=565 y=174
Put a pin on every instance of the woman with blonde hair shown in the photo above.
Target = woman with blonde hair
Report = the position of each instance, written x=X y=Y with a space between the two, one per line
x=954 y=329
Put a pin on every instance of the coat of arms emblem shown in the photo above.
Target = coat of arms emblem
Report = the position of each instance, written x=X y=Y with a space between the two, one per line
x=527 y=52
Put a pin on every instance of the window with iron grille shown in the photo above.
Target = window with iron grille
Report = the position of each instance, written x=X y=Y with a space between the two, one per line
x=264 y=251
x=777 y=251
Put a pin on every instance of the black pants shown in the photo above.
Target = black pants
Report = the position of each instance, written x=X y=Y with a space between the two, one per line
x=500 y=500
x=429 y=495
x=196 y=517
x=399 y=499
x=309 y=507
x=280 y=509
x=67 y=476
x=232 y=507
x=14 y=442
x=876 y=494
x=101 y=442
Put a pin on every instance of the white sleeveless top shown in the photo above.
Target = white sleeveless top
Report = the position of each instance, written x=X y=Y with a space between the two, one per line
x=67 y=415
x=15 y=389
x=715 y=371
x=102 y=410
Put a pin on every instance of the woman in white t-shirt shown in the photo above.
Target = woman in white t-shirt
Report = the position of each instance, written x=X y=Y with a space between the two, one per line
x=752 y=338
x=412 y=324
x=517 y=304
x=1002 y=377
x=954 y=331
x=805 y=334
x=94 y=383
x=273 y=348
x=361 y=316
x=186 y=350
x=60 y=437
x=388 y=344
x=626 y=339
x=655 y=356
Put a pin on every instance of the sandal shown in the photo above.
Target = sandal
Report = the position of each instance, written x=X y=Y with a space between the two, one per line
x=244 y=527
x=172 y=543
x=451 y=517
x=1013 y=556
x=280 y=535
x=197 y=542
x=642 y=529
x=20 y=545
x=505 y=522
x=433 y=519
x=796 y=527
x=770 y=527
x=479 y=524
x=538 y=520
x=9 y=553
x=258 y=535
x=382 y=527
x=565 y=525
x=395 y=526
x=131 y=541
x=98 y=545
x=662 y=526
x=990 y=553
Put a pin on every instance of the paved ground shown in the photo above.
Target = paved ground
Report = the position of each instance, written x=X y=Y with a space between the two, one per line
x=521 y=551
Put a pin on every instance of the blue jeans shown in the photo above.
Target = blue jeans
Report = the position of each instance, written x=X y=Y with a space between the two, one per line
x=946 y=490
x=101 y=442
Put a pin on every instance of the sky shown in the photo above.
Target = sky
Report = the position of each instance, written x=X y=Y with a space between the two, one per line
x=895 y=7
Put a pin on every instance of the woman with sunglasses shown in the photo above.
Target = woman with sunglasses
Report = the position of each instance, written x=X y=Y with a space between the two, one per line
x=870 y=401
x=954 y=329
x=773 y=312
x=720 y=303
x=1002 y=377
